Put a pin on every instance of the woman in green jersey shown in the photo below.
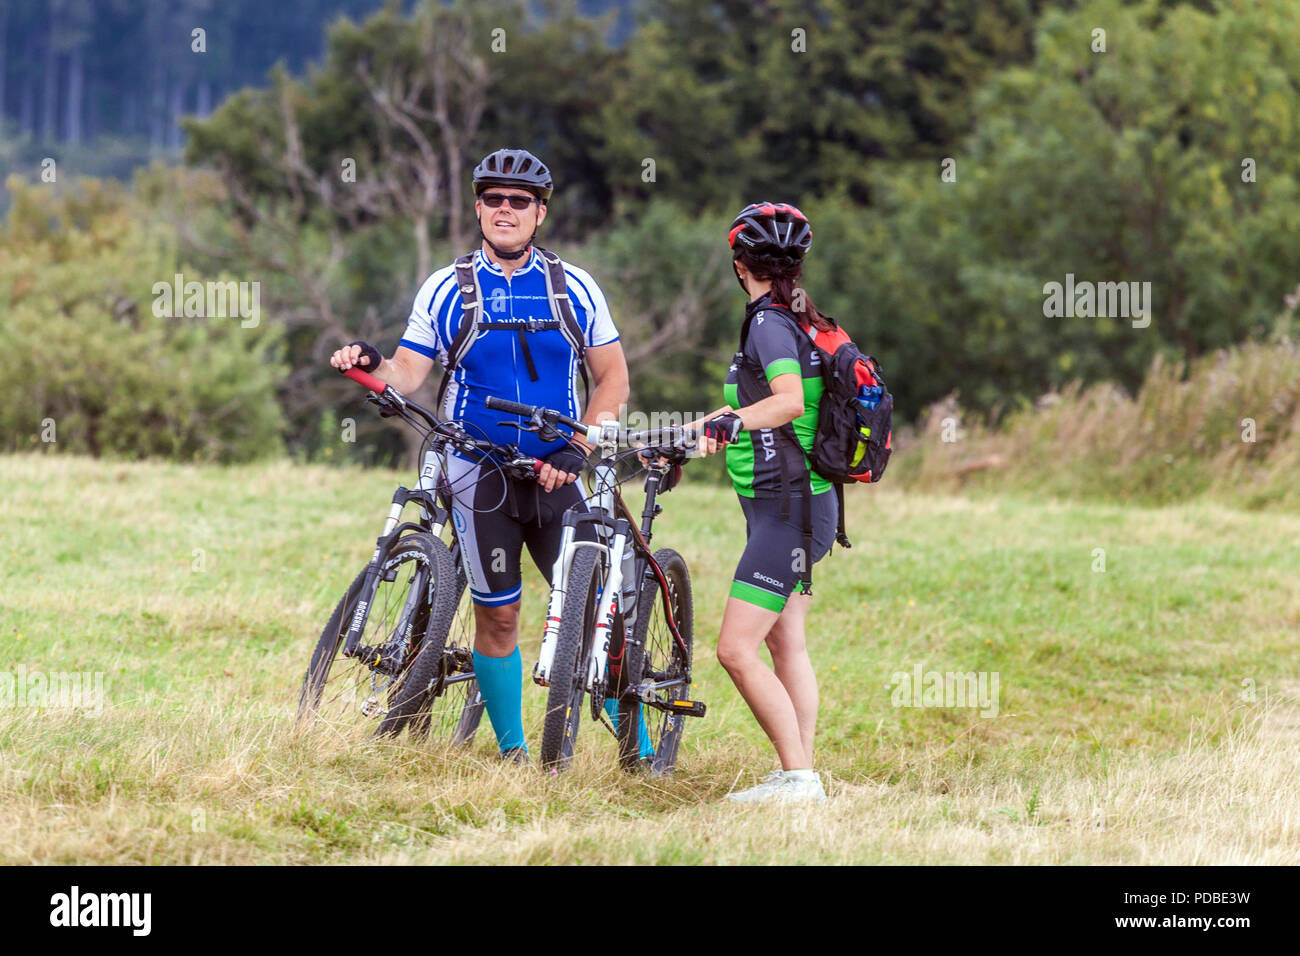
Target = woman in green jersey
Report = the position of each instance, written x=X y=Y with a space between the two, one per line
x=774 y=386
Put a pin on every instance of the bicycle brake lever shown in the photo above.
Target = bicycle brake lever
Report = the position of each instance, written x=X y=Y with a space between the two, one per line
x=386 y=408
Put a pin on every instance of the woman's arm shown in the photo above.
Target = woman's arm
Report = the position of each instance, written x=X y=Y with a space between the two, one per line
x=783 y=406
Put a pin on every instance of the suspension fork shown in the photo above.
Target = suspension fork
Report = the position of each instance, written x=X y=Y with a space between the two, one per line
x=569 y=546
x=607 y=609
x=432 y=517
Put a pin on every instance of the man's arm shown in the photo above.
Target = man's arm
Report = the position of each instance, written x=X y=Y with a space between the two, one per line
x=608 y=369
x=609 y=377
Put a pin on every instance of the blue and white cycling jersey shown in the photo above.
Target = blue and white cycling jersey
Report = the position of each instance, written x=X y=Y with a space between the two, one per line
x=495 y=365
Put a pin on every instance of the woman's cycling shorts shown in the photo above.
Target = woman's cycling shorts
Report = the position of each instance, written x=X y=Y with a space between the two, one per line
x=774 y=562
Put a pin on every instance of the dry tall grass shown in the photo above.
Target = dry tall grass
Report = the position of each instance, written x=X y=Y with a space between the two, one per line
x=1227 y=426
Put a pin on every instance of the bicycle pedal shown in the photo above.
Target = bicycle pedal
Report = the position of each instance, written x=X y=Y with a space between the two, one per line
x=687 y=708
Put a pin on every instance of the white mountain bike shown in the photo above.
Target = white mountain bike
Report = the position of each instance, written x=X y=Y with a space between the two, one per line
x=619 y=624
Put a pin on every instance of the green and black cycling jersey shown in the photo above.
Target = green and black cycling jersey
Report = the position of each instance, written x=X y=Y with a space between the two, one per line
x=773 y=348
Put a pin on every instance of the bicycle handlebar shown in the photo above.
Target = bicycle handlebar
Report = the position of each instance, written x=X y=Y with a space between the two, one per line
x=365 y=378
x=595 y=434
x=531 y=411
x=390 y=394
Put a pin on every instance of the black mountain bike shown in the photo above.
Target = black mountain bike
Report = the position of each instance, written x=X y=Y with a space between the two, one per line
x=620 y=621
x=398 y=650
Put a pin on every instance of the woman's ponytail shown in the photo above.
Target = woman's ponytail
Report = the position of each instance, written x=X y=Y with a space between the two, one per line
x=784 y=275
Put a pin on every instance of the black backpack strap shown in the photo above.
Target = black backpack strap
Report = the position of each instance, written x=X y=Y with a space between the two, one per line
x=841 y=536
x=471 y=301
x=557 y=290
x=754 y=387
x=473 y=320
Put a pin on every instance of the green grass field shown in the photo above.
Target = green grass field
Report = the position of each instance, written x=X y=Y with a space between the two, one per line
x=1147 y=711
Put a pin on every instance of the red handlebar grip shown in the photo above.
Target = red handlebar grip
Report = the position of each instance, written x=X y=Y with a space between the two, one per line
x=365 y=378
x=537 y=465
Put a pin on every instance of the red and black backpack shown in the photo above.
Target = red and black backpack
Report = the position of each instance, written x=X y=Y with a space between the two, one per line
x=853 y=440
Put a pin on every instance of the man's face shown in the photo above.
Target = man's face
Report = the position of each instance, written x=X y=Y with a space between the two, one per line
x=508 y=228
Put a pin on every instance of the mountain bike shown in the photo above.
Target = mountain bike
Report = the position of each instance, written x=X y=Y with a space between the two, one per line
x=620 y=620
x=398 y=650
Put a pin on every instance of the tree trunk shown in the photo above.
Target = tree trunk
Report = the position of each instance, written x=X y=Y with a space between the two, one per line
x=157 y=111
x=174 y=109
x=455 y=204
x=76 y=76
x=50 y=92
x=27 y=107
x=4 y=38
x=423 y=252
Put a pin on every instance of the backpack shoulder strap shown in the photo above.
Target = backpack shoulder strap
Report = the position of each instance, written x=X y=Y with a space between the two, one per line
x=557 y=291
x=471 y=301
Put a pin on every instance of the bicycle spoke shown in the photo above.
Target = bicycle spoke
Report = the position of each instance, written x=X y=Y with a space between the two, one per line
x=358 y=691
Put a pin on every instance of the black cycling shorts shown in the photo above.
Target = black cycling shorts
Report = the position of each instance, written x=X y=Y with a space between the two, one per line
x=492 y=540
x=774 y=562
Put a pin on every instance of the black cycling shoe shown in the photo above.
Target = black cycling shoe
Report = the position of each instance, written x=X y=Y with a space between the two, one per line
x=517 y=755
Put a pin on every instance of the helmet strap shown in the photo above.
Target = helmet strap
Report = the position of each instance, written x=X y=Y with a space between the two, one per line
x=511 y=256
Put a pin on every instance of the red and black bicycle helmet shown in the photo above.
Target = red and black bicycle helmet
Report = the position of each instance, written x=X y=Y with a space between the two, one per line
x=513 y=167
x=771 y=229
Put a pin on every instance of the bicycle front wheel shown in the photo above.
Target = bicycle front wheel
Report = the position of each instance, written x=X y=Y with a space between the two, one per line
x=396 y=611
x=655 y=657
x=453 y=707
x=572 y=651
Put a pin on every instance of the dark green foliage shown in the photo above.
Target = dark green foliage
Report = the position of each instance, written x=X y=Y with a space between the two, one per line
x=100 y=373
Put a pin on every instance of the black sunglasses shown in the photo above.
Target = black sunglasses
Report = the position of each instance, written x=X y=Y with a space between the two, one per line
x=517 y=203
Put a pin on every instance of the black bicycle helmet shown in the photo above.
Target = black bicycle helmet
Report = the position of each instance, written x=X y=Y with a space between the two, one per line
x=513 y=167
x=771 y=229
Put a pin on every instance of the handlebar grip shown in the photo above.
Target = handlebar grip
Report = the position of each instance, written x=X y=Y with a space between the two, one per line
x=365 y=378
x=505 y=405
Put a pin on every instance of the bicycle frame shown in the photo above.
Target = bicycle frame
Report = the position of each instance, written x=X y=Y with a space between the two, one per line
x=628 y=561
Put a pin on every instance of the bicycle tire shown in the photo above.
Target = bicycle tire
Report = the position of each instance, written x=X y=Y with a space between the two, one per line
x=653 y=652
x=450 y=711
x=572 y=650
x=410 y=701
x=333 y=684
x=308 y=697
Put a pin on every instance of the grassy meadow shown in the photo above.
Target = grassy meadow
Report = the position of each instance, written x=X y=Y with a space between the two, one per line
x=1147 y=713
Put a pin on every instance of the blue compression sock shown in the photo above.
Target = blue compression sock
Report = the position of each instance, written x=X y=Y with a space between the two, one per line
x=500 y=681
x=611 y=708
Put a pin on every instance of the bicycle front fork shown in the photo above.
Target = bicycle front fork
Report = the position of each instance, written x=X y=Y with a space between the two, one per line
x=620 y=563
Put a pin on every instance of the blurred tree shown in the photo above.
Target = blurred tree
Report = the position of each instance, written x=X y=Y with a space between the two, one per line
x=790 y=98
x=77 y=274
x=1114 y=167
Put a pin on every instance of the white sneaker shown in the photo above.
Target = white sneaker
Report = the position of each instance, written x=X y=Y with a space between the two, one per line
x=776 y=786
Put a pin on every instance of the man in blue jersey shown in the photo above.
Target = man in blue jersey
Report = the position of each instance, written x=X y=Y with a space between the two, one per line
x=498 y=322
